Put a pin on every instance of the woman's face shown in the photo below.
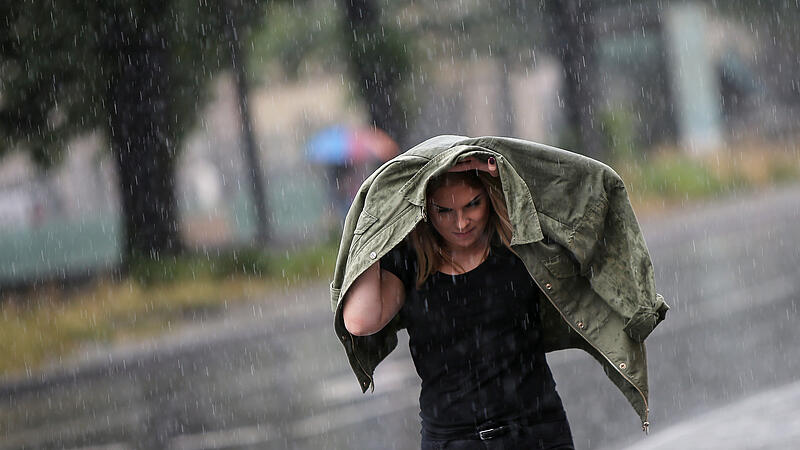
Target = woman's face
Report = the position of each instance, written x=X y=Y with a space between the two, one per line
x=460 y=212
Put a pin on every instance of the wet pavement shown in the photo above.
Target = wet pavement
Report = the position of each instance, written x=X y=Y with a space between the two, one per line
x=768 y=420
x=272 y=375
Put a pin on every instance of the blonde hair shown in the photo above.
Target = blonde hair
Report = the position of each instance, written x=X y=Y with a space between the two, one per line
x=429 y=245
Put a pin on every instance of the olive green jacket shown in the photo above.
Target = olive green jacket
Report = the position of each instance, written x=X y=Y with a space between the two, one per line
x=594 y=268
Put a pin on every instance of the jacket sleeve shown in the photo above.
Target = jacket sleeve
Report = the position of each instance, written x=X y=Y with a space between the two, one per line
x=618 y=263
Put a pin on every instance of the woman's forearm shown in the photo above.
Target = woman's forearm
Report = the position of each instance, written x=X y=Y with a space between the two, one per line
x=362 y=303
x=372 y=301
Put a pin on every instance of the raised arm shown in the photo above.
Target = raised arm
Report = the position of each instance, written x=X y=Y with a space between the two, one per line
x=372 y=301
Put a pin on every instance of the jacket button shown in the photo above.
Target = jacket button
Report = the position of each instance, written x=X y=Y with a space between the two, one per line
x=623 y=366
x=548 y=286
x=581 y=325
x=373 y=255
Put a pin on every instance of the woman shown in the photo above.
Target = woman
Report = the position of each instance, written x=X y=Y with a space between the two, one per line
x=471 y=310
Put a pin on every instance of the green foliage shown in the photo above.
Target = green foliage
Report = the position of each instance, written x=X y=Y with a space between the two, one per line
x=381 y=57
x=49 y=80
x=510 y=30
x=680 y=177
x=245 y=262
x=312 y=262
x=618 y=130
x=57 y=59
x=781 y=172
x=378 y=51
x=671 y=176
x=212 y=265
x=295 y=34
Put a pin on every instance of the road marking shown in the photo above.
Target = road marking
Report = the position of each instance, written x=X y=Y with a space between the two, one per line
x=331 y=420
x=395 y=395
x=114 y=446
x=339 y=418
x=67 y=429
x=252 y=435
x=391 y=375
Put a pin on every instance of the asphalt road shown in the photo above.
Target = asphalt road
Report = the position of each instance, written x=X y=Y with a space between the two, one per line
x=273 y=376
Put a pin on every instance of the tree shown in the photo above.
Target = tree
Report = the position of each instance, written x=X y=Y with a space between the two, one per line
x=356 y=36
x=133 y=69
x=143 y=137
x=574 y=43
x=232 y=17
x=380 y=61
x=505 y=32
x=510 y=32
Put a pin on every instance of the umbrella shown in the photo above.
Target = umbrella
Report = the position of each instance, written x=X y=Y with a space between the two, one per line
x=341 y=145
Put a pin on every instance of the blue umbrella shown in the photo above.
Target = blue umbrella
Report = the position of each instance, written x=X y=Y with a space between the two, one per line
x=329 y=146
x=339 y=145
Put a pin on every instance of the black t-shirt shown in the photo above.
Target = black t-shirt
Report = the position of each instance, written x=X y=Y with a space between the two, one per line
x=473 y=338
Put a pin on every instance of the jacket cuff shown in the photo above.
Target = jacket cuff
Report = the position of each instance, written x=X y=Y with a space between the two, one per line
x=645 y=319
x=335 y=294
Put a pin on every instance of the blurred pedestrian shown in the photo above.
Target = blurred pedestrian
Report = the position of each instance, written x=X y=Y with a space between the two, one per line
x=348 y=154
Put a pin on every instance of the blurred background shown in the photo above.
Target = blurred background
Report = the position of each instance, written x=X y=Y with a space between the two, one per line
x=174 y=175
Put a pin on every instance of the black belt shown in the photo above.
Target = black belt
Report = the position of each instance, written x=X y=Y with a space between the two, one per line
x=488 y=431
x=491 y=433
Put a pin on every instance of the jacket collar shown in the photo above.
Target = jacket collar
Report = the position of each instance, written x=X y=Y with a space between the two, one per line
x=521 y=209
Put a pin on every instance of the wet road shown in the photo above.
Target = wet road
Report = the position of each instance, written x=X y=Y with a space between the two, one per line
x=273 y=376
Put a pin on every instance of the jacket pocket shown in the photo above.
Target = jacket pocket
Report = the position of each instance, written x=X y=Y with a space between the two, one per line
x=364 y=222
x=557 y=261
x=560 y=266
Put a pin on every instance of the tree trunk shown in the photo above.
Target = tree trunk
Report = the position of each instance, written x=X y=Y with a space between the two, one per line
x=505 y=103
x=140 y=134
x=574 y=42
x=252 y=159
x=377 y=65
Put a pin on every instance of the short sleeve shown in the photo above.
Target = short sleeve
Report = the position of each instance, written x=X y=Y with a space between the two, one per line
x=402 y=262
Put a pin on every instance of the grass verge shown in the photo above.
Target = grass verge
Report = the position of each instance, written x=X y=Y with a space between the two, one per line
x=47 y=324
x=667 y=178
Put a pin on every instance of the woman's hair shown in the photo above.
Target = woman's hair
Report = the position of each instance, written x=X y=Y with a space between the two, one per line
x=428 y=244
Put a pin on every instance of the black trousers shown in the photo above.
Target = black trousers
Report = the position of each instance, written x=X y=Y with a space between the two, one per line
x=548 y=435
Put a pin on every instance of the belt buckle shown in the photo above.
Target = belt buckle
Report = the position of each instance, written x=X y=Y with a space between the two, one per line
x=492 y=433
